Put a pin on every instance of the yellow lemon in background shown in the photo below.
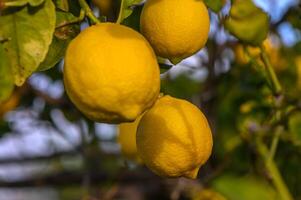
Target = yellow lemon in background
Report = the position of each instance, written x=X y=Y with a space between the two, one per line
x=272 y=51
x=174 y=138
x=104 y=6
x=176 y=29
x=111 y=73
x=10 y=104
x=127 y=140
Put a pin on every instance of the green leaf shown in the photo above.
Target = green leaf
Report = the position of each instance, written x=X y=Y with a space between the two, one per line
x=246 y=188
x=247 y=22
x=29 y=32
x=294 y=125
x=62 y=5
x=23 y=2
x=215 y=5
x=6 y=77
x=61 y=39
x=133 y=20
x=126 y=8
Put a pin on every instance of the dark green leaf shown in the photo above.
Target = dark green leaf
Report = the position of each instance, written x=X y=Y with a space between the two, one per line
x=126 y=8
x=215 y=5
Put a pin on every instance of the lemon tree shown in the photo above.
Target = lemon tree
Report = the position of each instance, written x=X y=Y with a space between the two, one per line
x=82 y=71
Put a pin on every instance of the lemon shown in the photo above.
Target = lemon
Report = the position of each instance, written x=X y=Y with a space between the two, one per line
x=127 y=140
x=111 y=73
x=11 y=103
x=104 y=6
x=174 y=138
x=176 y=29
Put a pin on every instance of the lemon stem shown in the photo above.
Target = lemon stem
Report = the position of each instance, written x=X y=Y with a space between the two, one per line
x=276 y=86
x=89 y=13
x=119 y=19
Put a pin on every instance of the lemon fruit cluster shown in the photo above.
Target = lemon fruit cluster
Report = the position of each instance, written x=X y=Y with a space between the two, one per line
x=111 y=73
x=176 y=29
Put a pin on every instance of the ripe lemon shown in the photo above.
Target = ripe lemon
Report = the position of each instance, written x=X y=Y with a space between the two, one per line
x=174 y=138
x=111 y=73
x=176 y=29
x=127 y=140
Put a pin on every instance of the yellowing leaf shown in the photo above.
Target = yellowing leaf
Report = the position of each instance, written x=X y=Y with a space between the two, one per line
x=28 y=33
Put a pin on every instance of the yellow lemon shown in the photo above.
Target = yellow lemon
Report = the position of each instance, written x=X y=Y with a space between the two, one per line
x=176 y=29
x=174 y=138
x=104 y=6
x=127 y=139
x=11 y=103
x=111 y=73
x=242 y=57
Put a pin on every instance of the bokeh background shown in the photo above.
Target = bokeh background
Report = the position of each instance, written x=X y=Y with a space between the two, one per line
x=49 y=151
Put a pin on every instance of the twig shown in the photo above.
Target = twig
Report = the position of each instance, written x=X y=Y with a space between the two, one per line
x=273 y=171
x=89 y=13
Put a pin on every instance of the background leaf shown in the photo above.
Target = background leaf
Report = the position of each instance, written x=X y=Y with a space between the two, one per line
x=247 y=22
x=246 y=188
x=29 y=33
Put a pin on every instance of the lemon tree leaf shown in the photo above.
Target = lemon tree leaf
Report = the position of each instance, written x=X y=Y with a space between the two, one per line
x=62 y=5
x=126 y=8
x=247 y=22
x=62 y=36
x=29 y=32
x=215 y=5
x=6 y=78
x=24 y=2
x=294 y=125
x=246 y=188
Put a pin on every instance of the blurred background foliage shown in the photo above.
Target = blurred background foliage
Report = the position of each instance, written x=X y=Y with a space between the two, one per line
x=48 y=150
